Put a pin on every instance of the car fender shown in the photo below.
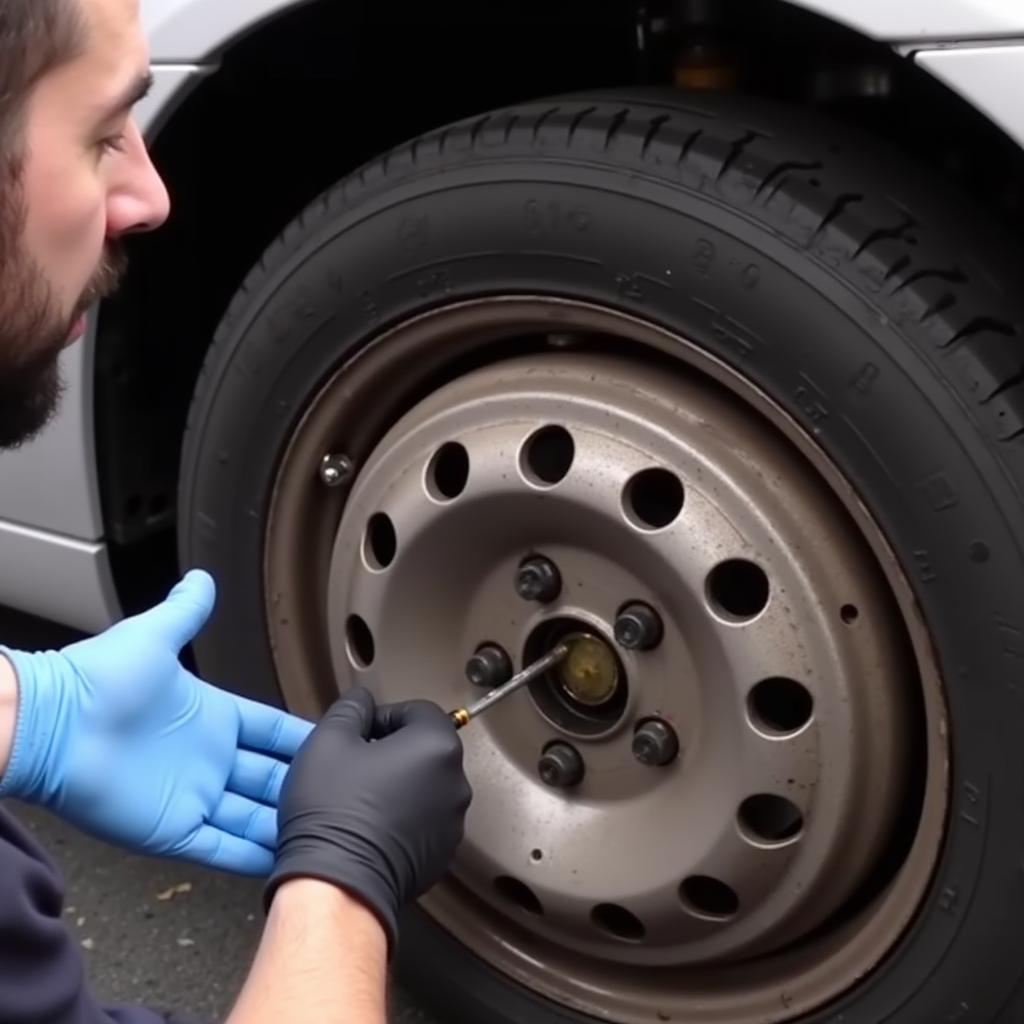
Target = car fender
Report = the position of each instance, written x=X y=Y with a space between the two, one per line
x=924 y=20
x=194 y=31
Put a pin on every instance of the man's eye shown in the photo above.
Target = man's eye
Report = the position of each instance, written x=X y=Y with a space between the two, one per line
x=113 y=143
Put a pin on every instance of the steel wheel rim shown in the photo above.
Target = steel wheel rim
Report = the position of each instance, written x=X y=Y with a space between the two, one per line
x=625 y=980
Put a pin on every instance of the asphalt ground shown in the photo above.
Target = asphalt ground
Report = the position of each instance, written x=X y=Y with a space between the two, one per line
x=154 y=932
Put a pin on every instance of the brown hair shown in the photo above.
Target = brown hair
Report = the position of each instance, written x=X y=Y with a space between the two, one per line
x=36 y=36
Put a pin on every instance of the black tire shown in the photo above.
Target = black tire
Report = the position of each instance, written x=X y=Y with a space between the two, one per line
x=872 y=304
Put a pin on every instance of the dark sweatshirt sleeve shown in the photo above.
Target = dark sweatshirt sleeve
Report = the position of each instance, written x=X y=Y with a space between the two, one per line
x=42 y=974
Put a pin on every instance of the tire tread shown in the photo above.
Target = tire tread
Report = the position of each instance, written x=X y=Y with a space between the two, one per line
x=857 y=230
x=861 y=230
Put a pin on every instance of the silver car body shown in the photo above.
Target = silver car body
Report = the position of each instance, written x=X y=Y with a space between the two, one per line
x=52 y=545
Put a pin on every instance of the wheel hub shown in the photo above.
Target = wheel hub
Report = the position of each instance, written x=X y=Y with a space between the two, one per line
x=633 y=485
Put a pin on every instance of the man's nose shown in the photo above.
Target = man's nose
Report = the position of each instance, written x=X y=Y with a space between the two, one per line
x=139 y=200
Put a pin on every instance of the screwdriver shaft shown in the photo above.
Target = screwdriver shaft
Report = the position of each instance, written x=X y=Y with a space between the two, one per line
x=463 y=716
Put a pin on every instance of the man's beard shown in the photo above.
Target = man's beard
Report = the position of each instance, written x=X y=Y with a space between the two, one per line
x=33 y=334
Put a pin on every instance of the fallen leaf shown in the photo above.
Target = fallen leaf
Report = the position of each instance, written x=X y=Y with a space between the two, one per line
x=81 y=921
x=88 y=944
x=186 y=942
x=175 y=890
x=70 y=911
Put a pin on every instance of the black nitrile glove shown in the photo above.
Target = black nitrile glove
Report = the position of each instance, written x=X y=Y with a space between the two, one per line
x=381 y=820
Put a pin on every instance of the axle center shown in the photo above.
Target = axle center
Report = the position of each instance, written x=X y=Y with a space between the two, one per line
x=590 y=673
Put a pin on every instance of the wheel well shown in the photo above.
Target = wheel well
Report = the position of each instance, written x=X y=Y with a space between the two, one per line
x=300 y=102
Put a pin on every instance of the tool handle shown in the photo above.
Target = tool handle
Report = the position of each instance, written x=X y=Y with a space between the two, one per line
x=463 y=716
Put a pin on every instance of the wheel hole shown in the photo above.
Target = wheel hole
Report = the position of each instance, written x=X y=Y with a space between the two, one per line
x=654 y=498
x=618 y=922
x=518 y=893
x=381 y=541
x=360 y=642
x=548 y=455
x=449 y=471
x=739 y=588
x=849 y=613
x=709 y=897
x=780 y=705
x=770 y=818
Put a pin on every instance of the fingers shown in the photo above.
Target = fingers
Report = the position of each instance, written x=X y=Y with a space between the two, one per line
x=389 y=718
x=246 y=819
x=270 y=730
x=186 y=610
x=353 y=713
x=216 y=849
x=257 y=777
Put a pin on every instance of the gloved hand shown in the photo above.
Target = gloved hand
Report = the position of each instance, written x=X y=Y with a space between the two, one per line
x=375 y=802
x=116 y=737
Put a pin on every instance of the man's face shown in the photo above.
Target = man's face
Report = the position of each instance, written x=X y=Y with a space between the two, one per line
x=86 y=182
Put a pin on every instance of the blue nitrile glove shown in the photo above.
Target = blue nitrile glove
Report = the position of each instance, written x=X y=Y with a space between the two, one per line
x=116 y=737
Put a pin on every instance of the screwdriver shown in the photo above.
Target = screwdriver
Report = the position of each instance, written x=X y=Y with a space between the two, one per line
x=463 y=716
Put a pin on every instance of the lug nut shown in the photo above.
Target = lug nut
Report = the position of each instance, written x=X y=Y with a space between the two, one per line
x=538 y=580
x=561 y=766
x=638 y=627
x=489 y=667
x=655 y=743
